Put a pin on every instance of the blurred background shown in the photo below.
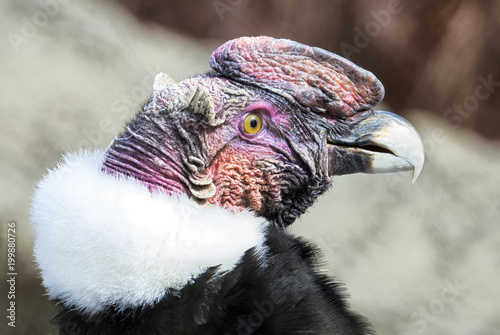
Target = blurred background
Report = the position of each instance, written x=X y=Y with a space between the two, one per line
x=416 y=259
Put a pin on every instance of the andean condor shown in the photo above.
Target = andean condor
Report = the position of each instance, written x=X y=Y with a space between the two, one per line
x=178 y=227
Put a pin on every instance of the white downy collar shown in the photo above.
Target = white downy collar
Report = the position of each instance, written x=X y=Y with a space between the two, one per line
x=103 y=240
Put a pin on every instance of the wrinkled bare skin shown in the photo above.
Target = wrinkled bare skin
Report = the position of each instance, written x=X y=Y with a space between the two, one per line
x=265 y=172
x=190 y=137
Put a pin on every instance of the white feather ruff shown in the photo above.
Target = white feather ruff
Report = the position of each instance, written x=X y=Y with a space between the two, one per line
x=104 y=240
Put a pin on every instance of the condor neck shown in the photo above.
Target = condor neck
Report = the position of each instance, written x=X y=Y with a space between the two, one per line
x=128 y=246
x=149 y=161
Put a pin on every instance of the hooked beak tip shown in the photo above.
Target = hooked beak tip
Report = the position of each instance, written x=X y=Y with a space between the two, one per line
x=388 y=143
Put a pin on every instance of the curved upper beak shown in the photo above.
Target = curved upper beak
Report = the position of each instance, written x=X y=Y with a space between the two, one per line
x=382 y=143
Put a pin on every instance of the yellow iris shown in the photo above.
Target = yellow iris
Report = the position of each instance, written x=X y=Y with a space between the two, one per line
x=253 y=123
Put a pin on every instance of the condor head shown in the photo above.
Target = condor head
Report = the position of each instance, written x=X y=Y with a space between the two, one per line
x=266 y=131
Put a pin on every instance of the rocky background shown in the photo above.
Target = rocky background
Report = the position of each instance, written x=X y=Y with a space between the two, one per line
x=416 y=259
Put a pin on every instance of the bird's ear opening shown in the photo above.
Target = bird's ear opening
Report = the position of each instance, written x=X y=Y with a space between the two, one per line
x=313 y=77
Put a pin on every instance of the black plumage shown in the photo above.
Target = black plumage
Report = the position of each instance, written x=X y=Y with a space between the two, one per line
x=281 y=292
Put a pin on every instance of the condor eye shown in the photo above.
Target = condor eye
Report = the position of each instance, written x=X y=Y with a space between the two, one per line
x=252 y=123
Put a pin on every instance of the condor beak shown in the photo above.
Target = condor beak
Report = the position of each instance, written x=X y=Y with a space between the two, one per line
x=382 y=143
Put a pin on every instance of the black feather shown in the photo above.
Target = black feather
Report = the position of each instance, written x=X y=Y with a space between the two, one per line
x=280 y=291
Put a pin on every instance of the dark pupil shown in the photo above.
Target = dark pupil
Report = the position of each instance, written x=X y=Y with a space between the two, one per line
x=253 y=123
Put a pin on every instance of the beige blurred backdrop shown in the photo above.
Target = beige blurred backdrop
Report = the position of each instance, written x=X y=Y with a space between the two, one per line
x=416 y=259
